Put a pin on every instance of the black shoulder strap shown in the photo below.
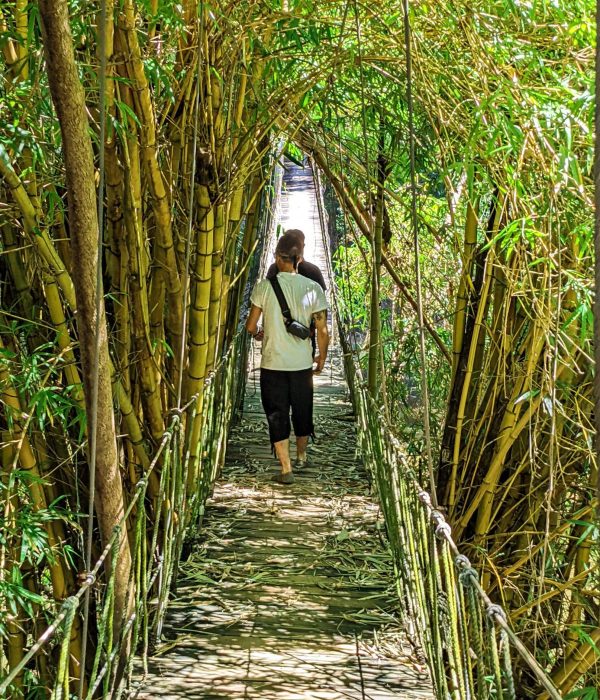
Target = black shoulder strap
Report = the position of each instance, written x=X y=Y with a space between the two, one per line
x=285 y=309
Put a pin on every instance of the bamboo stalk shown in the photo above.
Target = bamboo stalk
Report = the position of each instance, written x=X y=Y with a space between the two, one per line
x=216 y=284
x=9 y=47
x=16 y=268
x=465 y=285
x=149 y=158
x=15 y=643
x=25 y=457
x=474 y=342
x=375 y=312
x=200 y=293
x=137 y=286
x=46 y=249
x=575 y=665
x=39 y=236
x=65 y=343
x=362 y=223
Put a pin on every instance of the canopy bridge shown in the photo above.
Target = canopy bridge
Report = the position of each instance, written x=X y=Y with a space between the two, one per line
x=129 y=388
x=289 y=591
x=347 y=584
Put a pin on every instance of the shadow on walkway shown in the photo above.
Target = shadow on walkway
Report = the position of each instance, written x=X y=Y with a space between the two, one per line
x=289 y=593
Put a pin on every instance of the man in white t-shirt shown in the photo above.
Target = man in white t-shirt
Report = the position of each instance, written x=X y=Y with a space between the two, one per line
x=286 y=375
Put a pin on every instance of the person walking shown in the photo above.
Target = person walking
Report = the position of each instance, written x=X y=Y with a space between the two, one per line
x=286 y=374
x=305 y=268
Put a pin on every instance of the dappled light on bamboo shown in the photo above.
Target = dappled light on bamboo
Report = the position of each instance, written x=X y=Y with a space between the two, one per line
x=201 y=102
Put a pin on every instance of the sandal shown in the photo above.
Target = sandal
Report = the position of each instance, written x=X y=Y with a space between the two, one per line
x=283 y=478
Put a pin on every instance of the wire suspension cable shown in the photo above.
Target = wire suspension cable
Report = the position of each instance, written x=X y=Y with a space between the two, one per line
x=93 y=421
x=415 y=228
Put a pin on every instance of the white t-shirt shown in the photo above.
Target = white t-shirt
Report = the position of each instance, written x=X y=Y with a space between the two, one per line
x=280 y=349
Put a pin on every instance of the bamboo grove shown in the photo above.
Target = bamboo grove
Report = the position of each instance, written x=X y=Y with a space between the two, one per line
x=198 y=97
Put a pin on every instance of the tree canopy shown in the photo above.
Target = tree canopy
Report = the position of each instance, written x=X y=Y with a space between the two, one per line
x=200 y=101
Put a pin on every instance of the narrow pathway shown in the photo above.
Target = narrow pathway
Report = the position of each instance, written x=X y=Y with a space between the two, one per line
x=289 y=594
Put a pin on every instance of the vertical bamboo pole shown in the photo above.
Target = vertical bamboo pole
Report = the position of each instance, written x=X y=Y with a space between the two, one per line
x=375 y=315
x=15 y=641
x=25 y=455
x=137 y=283
x=199 y=322
x=465 y=285
x=164 y=243
x=15 y=265
x=216 y=284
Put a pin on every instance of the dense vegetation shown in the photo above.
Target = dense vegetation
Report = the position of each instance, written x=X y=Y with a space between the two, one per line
x=196 y=100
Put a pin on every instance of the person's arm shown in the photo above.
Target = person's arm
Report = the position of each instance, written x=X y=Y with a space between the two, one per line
x=252 y=322
x=322 y=333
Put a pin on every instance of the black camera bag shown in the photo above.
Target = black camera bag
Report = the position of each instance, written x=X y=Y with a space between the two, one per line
x=295 y=328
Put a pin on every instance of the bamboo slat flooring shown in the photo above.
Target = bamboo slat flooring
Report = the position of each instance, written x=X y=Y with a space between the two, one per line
x=288 y=593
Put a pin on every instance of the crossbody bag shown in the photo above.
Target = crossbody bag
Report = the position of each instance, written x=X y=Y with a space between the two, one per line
x=295 y=328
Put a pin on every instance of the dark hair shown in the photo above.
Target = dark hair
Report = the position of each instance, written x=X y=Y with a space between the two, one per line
x=289 y=246
x=298 y=235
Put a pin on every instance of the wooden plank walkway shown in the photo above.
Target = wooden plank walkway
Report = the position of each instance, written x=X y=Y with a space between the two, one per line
x=289 y=593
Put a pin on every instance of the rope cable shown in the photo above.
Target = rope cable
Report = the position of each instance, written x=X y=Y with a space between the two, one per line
x=93 y=418
x=467 y=575
x=379 y=444
x=140 y=487
x=415 y=228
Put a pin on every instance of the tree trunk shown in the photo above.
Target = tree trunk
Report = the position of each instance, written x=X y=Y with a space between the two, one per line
x=69 y=101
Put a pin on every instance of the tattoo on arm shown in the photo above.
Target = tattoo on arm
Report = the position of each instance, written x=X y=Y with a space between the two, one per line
x=320 y=315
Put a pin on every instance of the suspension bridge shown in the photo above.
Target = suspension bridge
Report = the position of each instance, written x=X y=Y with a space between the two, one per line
x=289 y=592
x=142 y=188
x=347 y=584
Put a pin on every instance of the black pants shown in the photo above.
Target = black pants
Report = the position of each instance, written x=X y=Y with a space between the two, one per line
x=281 y=391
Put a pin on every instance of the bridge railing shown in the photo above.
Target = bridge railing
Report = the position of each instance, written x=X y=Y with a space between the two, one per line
x=155 y=554
x=466 y=637
x=176 y=514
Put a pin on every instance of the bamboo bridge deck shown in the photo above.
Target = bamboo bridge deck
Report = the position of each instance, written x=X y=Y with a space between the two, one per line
x=289 y=592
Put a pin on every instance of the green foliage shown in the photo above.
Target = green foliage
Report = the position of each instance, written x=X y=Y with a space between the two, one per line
x=399 y=328
x=504 y=103
x=588 y=693
x=34 y=371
